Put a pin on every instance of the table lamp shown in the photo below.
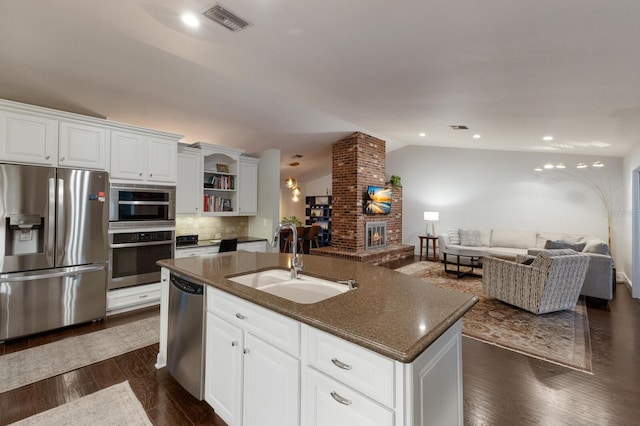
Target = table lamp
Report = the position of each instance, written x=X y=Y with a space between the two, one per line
x=431 y=217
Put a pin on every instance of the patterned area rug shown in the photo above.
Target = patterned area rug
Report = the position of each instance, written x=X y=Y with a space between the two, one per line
x=115 y=405
x=559 y=337
x=31 y=365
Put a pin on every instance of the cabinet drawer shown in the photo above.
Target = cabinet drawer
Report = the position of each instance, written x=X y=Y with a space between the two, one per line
x=360 y=368
x=276 y=329
x=330 y=403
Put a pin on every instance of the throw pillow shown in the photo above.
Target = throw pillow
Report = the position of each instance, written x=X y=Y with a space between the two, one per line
x=596 y=246
x=454 y=237
x=559 y=244
x=470 y=238
x=543 y=259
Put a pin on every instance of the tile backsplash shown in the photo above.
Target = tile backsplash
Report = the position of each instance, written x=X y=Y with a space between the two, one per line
x=212 y=228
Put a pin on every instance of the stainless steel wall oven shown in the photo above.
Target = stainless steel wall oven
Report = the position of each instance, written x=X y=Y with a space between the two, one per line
x=141 y=232
x=133 y=256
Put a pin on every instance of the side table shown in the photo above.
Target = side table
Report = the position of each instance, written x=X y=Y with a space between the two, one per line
x=430 y=240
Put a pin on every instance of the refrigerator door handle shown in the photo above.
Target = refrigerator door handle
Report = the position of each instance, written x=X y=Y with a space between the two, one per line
x=51 y=219
x=30 y=276
x=61 y=222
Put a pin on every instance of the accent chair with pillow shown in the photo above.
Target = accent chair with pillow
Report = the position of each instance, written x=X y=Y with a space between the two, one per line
x=598 y=282
x=552 y=282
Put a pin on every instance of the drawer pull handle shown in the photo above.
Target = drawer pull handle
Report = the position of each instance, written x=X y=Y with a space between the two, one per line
x=340 y=399
x=341 y=364
x=234 y=343
x=240 y=316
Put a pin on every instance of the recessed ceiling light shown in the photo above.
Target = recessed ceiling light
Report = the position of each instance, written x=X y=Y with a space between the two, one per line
x=598 y=164
x=582 y=166
x=538 y=169
x=422 y=135
x=548 y=166
x=547 y=138
x=191 y=20
x=477 y=136
x=560 y=166
x=297 y=156
x=294 y=164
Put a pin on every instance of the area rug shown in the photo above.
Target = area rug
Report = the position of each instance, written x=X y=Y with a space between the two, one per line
x=560 y=337
x=34 y=364
x=115 y=405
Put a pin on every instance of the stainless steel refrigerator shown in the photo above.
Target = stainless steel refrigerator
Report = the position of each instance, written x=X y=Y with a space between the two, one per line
x=53 y=248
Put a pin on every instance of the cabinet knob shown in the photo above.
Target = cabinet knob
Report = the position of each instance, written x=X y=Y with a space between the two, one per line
x=342 y=400
x=246 y=351
x=150 y=174
x=234 y=343
x=140 y=174
x=62 y=158
x=47 y=157
x=240 y=316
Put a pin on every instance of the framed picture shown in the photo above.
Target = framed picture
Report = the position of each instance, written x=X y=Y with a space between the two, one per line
x=222 y=168
x=317 y=212
x=322 y=200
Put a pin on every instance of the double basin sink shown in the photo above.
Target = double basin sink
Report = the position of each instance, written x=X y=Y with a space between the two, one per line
x=304 y=289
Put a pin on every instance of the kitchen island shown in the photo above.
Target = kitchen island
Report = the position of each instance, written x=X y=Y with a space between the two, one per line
x=387 y=352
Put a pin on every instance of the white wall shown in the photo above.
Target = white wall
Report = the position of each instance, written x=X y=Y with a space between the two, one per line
x=627 y=234
x=481 y=189
x=265 y=222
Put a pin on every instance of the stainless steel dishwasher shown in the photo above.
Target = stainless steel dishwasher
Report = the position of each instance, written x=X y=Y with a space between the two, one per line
x=185 y=351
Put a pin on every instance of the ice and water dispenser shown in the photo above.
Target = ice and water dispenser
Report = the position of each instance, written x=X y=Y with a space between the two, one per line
x=25 y=234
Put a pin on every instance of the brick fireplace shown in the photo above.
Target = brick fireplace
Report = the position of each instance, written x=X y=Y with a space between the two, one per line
x=359 y=160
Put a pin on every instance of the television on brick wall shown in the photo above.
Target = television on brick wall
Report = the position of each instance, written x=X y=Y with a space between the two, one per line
x=378 y=200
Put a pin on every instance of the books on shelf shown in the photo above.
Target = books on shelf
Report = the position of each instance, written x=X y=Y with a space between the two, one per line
x=214 y=203
x=221 y=182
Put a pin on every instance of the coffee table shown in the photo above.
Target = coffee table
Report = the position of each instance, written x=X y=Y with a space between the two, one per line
x=453 y=258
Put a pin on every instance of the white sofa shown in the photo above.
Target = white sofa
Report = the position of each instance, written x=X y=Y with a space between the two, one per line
x=507 y=244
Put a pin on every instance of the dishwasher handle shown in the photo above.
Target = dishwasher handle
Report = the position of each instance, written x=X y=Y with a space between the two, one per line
x=187 y=286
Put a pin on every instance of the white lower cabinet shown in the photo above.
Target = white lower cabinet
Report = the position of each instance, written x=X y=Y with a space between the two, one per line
x=249 y=380
x=330 y=403
x=271 y=385
x=223 y=383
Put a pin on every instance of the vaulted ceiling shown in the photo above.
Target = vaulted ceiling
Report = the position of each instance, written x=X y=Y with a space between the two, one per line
x=306 y=73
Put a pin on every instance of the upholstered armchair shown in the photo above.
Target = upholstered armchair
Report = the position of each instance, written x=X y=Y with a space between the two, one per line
x=552 y=282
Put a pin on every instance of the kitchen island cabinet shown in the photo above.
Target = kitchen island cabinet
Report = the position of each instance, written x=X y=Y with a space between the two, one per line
x=388 y=352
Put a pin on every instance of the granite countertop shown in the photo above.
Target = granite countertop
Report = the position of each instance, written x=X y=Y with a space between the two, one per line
x=391 y=313
x=216 y=242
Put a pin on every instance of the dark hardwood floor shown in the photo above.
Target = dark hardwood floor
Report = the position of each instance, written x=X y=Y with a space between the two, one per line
x=500 y=387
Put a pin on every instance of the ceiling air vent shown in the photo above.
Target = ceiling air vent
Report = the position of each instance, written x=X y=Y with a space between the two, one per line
x=226 y=18
x=459 y=127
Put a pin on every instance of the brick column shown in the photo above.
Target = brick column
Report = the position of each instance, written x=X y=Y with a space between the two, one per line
x=359 y=161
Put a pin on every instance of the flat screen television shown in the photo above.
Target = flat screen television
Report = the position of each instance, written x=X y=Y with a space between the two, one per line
x=378 y=200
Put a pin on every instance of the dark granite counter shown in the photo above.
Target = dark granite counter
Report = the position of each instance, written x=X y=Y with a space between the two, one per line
x=209 y=243
x=391 y=313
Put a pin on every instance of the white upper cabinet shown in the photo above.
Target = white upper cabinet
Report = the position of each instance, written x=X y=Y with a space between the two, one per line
x=138 y=157
x=189 y=185
x=83 y=146
x=27 y=138
x=162 y=156
x=248 y=186
x=128 y=156
x=43 y=136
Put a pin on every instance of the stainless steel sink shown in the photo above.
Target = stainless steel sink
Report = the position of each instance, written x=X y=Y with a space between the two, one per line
x=304 y=289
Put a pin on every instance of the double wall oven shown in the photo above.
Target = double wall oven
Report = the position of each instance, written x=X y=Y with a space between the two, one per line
x=141 y=232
